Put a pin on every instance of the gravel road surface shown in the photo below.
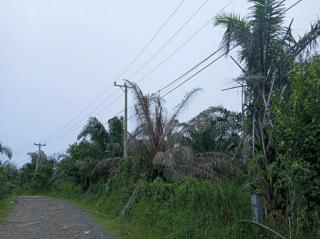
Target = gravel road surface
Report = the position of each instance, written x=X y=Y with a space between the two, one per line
x=48 y=218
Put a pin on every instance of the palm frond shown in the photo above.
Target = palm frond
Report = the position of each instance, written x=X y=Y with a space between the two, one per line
x=155 y=132
x=173 y=122
x=309 y=41
x=237 y=31
x=105 y=165
x=130 y=203
x=97 y=133
x=163 y=160
x=220 y=162
x=6 y=151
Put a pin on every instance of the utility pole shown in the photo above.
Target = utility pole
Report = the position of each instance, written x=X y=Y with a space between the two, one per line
x=39 y=151
x=125 y=88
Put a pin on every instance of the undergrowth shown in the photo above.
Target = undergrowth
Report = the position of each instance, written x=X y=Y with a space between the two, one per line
x=6 y=205
x=189 y=209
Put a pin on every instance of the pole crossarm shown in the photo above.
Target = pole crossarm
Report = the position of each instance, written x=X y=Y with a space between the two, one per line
x=125 y=88
x=39 y=145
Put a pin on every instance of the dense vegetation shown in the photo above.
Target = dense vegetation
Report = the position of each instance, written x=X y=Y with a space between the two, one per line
x=195 y=179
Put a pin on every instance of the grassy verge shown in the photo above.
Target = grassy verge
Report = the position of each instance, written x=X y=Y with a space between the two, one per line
x=190 y=210
x=6 y=205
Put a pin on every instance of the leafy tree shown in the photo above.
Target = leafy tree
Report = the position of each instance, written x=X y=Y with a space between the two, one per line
x=38 y=180
x=297 y=133
x=79 y=162
x=8 y=172
x=8 y=176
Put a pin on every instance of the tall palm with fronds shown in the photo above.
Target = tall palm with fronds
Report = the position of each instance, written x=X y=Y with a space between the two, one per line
x=156 y=131
x=158 y=142
x=215 y=129
x=97 y=134
x=157 y=145
x=267 y=49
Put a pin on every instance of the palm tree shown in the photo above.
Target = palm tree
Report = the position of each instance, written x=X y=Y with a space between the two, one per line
x=156 y=131
x=106 y=142
x=157 y=145
x=214 y=130
x=98 y=135
x=6 y=151
x=267 y=49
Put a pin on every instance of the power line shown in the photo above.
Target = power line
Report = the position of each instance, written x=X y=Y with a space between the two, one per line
x=202 y=69
x=183 y=44
x=208 y=65
x=75 y=126
x=293 y=5
x=192 y=69
x=170 y=39
x=152 y=39
x=159 y=50
x=212 y=62
x=189 y=71
x=201 y=61
x=80 y=113
x=123 y=72
x=197 y=65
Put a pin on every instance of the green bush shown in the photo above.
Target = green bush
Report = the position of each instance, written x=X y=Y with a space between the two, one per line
x=297 y=134
x=191 y=209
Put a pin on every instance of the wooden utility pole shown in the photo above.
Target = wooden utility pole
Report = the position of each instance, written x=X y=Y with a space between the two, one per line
x=125 y=88
x=39 y=152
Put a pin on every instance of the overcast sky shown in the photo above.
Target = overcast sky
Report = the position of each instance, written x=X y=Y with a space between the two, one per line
x=57 y=56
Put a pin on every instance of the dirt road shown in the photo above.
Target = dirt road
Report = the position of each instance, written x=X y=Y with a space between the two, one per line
x=48 y=218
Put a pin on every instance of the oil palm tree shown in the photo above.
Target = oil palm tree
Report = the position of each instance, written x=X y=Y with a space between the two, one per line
x=157 y=131
x=214 y=130
x=267 y=51
x=157 y=147
x=97 y=134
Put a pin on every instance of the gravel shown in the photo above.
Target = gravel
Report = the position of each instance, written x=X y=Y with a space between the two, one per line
x=36 y=217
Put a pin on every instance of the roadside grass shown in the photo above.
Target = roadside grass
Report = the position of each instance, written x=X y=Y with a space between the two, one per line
x=6 y=205
x=190 y=210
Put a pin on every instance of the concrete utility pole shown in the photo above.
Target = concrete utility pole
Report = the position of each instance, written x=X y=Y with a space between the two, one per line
x=39 y=151
x=125 y=87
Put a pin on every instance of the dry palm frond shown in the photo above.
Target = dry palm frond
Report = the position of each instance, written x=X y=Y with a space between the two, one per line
x=181 y=163
x=105 y=165
x=193 y=170
x=220 y=162
x=309 y=41
x=130 y=203
x=163 y=160
x=173 y=122
x=155 y=132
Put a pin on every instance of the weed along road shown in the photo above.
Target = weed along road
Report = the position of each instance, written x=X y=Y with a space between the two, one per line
x=36 y=217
